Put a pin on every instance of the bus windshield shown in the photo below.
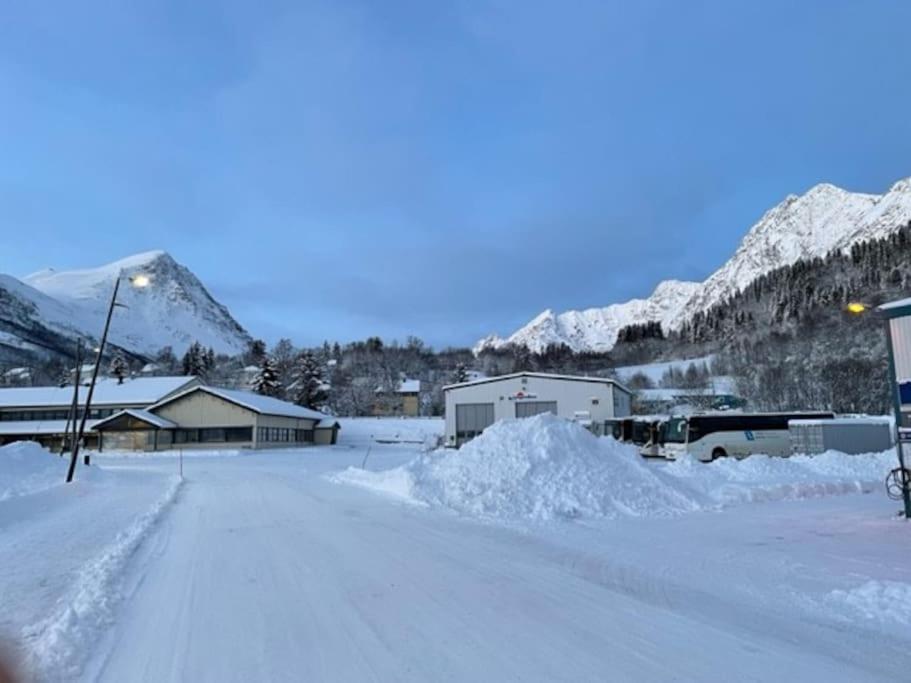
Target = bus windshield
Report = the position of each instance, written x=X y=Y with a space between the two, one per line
x=674 y=430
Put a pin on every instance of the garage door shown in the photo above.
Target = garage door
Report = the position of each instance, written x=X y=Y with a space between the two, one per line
x=472 y=419
x=529 y=408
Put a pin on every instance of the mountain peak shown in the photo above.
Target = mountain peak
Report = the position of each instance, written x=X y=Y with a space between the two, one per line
x=823 y=218
x=174 y=310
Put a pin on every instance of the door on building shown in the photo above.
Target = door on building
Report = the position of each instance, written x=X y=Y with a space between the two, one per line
x=529 y=408
x=471 y=420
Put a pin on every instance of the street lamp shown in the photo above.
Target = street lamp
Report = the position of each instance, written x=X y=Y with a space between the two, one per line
x=140 y=281
x=897 y=317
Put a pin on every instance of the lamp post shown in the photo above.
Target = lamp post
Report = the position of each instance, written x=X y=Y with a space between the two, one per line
x=139 y=281
x=897 y=318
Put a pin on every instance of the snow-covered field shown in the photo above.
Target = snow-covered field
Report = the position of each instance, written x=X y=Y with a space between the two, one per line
x=537 y=552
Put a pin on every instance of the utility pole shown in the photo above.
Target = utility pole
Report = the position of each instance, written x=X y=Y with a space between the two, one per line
x=88 y=398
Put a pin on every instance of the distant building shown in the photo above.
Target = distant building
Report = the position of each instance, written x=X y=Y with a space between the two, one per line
x=155 y=413
x=473 y=406
x=405 y=401
x=42 y=414
x=211 y=417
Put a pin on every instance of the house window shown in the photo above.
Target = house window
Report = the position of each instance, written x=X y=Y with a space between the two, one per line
x=211 y=434
x=236 y=434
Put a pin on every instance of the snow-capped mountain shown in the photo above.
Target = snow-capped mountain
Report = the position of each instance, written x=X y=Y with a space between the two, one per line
x=596 y=329
x=173 y=310
x=806 y=226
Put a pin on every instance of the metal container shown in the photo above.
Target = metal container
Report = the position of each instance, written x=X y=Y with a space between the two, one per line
x=847 y=435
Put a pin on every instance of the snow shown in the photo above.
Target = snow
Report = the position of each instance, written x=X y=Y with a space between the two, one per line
x=655 y=371
x=261 y=568
x=139 y=390
x=174 y=310
x=545 y=468
x=26 y=467
x=540 y=468
x=410 y=386
x=824 y=218
x=888 y=602
x=901 y=303
x=34 y=427
x=144 y=415
x=258 y=403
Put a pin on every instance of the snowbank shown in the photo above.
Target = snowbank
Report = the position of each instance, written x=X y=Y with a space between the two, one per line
x=57 y=647
x=729 y=481
x=887 y=602
x=26 y=467
x=540 y=468
x=545 y=467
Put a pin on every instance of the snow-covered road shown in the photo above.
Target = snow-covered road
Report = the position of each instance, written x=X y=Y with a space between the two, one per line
x=264 y=570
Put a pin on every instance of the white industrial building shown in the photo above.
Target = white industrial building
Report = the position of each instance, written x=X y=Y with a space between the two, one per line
x=473 y=406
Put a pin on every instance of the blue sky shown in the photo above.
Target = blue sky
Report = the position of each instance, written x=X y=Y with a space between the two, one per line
x=445 y=169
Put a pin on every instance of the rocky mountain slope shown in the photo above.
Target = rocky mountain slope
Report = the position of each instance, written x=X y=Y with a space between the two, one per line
x=49 y=309
x=824 y=218
x=596 y=329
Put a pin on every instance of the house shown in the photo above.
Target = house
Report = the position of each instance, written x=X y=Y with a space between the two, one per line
x=473 y=406
x=405 y=401
x=43 y=414
x=211 y=417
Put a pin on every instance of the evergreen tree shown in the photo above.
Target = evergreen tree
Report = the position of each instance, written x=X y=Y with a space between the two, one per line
x=266 y=381
x=308 y=388
x=194 y=361
x=460 y=375
x=118 y=367
x=256 y=352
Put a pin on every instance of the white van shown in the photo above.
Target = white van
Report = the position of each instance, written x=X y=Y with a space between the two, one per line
x=711 y=436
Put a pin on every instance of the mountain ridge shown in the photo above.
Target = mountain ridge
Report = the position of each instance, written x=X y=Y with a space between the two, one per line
x=825 y=217
x=175 y=309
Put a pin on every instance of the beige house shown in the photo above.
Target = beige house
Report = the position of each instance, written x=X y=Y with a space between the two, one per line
x=45 y=414
x=405 y=401
x=206 y=417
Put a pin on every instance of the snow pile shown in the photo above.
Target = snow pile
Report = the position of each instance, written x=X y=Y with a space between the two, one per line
x=888 y=602
x=26 y=467
x=729 y=481
x=539 y=468
x=545 y=467
x=56 y=646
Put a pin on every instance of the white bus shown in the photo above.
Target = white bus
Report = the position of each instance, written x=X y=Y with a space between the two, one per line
x=707 y=437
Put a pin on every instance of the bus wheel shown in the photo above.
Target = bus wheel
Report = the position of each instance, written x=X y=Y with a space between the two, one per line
x=719 y=453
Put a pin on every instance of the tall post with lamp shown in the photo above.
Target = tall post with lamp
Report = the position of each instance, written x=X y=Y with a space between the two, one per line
x=137 y=281
x=897 y=318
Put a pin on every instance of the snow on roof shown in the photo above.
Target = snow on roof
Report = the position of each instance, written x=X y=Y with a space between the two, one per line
x=410 y=386
x=139 y=391
x=539 y=375
x=17 y=428
x=264 y=405
x=144 y=415
x=901 y=303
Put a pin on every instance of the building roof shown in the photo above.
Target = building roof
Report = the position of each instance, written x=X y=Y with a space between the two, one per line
x=896 y=309
x=410 y=386
x=143 y=415
x=264 y=405
x=539 y=375
x=136 y=391
x=18 y=428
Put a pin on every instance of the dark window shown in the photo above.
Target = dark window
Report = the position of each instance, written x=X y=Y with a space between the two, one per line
x=235 y=434
x=211 y=434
